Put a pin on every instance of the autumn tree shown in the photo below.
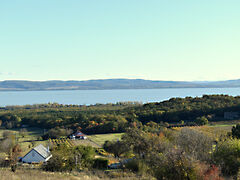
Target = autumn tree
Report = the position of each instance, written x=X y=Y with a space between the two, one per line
x=195 y=143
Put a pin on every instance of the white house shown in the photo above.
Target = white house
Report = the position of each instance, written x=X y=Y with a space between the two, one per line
x=37 y=155
x=78 y=135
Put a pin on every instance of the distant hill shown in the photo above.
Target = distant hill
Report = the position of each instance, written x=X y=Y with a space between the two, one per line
x=111 y=84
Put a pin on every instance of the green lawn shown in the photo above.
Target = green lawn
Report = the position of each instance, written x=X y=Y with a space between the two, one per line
x=101 y=138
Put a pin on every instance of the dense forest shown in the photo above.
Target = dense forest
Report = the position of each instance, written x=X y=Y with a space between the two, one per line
x=108 y=118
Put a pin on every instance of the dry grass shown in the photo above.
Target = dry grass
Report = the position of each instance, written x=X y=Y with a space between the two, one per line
x=85 y=142
x=215 y=131
x=6 y=174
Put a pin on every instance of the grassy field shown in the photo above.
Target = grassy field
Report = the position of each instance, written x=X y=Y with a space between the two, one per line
x=28 y=174
x=101 y=138
x=86 y=142
x=30 y=139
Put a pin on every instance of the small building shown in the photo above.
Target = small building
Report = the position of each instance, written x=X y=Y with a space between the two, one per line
x=37 y=155
x=78 y=135
x=231 y=115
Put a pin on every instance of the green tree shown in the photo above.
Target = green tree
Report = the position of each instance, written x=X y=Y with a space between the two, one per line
x=236 y=131
x=66 y=158
x=202 y=120
x=117 y=148
x=227 y=155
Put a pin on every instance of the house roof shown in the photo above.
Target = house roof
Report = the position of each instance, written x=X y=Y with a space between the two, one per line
x=79 y=133
x=42 y=151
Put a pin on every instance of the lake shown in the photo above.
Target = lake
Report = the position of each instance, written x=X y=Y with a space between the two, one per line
x=88 y=97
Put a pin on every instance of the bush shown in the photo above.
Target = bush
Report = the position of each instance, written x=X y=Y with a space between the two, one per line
x=173 y=165
x=236 y=131
x=68 y=158
x=100 y=163
x=227 y=155
x=137 y=165
x=59 y=163
x=202 y=121
x=208 y=171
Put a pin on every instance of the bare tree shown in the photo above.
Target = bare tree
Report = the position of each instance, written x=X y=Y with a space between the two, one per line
x=195 y=143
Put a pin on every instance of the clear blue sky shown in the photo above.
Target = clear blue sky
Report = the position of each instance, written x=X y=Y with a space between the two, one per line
x=99 y=39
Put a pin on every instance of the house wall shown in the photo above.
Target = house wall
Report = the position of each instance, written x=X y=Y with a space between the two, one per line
x=33 y=157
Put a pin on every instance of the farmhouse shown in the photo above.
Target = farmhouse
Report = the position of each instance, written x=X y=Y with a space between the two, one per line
x=78 y=135
x=37 y=155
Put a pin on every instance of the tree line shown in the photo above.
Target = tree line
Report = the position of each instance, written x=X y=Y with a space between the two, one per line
x=110 y=118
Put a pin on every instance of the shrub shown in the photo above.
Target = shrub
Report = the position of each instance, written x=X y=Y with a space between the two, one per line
x=66 y=158
x=137 y=165
x=227 y=155
x=208 y=172
x=116 y=147
x=100 y=163
x=236 y=131
x=202 y=120
x=173 y=164
x=59 y=163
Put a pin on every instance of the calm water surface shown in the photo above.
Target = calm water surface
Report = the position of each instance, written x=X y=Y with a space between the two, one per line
x=106 y=96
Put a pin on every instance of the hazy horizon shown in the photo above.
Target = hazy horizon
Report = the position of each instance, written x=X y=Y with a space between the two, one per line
x=118 y=79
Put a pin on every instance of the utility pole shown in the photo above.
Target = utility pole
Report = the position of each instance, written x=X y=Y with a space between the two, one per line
x=76 y=161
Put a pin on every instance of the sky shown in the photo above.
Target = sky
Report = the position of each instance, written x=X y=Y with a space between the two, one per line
x=101 y=39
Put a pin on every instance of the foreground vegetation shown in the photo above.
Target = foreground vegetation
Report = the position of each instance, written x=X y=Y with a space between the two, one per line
x=141 y=153
x=188 y=138
x=33 y=174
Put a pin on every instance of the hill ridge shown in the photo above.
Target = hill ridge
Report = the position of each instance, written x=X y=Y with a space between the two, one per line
x=100 y=84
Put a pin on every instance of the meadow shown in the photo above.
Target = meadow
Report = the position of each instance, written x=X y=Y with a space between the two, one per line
x=101 y=138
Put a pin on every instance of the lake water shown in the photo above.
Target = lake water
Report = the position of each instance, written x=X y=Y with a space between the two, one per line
x=88 y=97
